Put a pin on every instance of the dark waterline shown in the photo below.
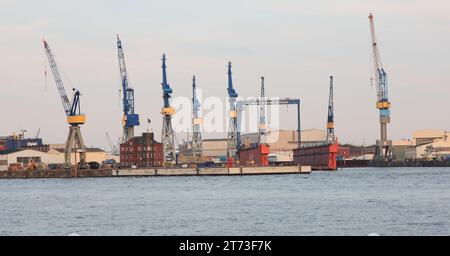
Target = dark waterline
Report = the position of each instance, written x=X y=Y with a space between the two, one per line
x=397 y=201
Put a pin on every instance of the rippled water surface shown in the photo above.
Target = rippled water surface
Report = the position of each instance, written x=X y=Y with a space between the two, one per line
x=398 y=201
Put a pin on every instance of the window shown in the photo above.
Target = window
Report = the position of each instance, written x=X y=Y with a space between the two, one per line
x=26 y=160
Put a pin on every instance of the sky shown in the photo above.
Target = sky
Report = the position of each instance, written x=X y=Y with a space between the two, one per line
x=295 y=44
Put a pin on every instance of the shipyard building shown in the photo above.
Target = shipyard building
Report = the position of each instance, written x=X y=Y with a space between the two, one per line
x=141 y=151
x=427 y=144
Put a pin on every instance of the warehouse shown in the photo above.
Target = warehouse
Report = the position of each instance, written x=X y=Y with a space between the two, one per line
x=425 y=144
x=24 y=156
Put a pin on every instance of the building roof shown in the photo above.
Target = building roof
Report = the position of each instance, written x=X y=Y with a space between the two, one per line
x=428 y=133
x=10 y=151
x=221 y=139
x=402 y=143
x=61 y=150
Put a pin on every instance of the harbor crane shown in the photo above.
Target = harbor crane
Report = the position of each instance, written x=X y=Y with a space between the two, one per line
x=168 y=136
x=113 y=148
x=262 y=115
x=330 y=120
x=74 y=143
x=383 y=150
x=130 y=119
x=196 y=122
x=232 y=137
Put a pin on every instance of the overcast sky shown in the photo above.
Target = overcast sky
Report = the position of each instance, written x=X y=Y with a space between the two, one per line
x=295 y=44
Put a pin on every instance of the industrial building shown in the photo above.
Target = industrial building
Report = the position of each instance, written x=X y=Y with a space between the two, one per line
x=50 y=156
x=142 y=151
x=425 y=144
x=92 y=155
x=24 y=156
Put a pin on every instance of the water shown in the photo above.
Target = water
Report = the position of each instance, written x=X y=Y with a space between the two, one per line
x=399 y=201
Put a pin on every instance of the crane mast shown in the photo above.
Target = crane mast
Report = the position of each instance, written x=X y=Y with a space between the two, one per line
x=383 y=150
x=232 y=137
x=330 y=118
x=74 y=143
x=196 y=122
x=168 y=136
x=262 y=114
x=129 y=119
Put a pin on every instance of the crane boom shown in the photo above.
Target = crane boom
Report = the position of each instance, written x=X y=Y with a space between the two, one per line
x=196 y=122
x=262 y=114
x=167 y=91
x=330 y=118
x=130 y=119
x=58 y=80
x=380 y=74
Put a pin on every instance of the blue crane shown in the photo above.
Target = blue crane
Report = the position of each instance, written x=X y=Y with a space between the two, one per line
x=130 y=119
x=196 y=122
x=232 y=137
x=383 y=149
x=74 y=143
x=168 y=136
x=330 y=118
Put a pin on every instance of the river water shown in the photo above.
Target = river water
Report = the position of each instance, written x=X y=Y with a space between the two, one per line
x=384 y=201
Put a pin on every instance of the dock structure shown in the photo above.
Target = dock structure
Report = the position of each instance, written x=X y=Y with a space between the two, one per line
x=154 y=171
x=213 y=171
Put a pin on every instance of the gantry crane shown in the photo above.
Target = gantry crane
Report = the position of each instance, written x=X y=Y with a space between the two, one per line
x=232 y=137
x=383 y=146
x=130 y=119
x=72 y=109
x=196 y=122
x=330 y=120
x=262 y=115
x=168 y=136
x=267 y=102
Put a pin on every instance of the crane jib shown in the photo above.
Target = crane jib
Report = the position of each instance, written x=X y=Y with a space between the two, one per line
x=58 y=80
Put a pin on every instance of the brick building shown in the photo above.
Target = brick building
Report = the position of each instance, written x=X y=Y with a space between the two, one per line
x=142 y=151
